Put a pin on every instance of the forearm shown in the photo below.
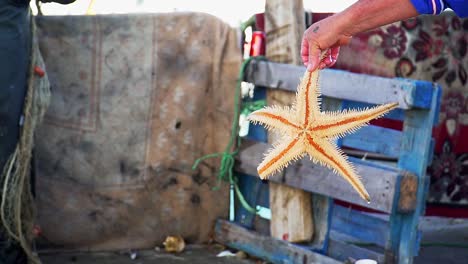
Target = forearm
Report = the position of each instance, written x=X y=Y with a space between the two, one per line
x=369 y=14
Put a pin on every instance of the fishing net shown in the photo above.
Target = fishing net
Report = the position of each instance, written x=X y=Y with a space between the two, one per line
x=16 y=203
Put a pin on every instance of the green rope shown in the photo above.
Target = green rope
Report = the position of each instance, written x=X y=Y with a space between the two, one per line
x=228 y=156
x=250 y=107
x=249 y=23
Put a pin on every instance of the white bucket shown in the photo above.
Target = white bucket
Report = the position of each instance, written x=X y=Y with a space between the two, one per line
x=365 y=261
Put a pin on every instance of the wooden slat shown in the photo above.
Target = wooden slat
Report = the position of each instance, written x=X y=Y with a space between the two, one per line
x=254 y=195
x=345 y=85
x=322 y=208
x=284 y=26
x=341 y=248
x=380 y=183
x=369 y=156
x=415 y=148
x=375 y=139
x=268 y=248
x=408 y=189
x=361 y=226
x=291 y=213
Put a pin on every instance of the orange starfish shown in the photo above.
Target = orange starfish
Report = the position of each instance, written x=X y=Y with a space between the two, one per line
x=305 y=129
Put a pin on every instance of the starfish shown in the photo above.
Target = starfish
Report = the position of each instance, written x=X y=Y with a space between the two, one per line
x=304 y=129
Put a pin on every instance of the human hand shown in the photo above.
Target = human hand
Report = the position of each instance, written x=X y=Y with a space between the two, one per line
x=321 y=43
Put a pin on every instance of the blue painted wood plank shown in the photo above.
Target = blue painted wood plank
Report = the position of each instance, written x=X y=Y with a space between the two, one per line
x=258 y=132
x=415 y=148
x=304 y=174
x=419 y=93
x=322 y=214
x=361 y=226
x=344 y=248
x=344 y=85
x=255 y=193
x=396 y=114
x=268 y=248
x=375 y=139
x=373 y=164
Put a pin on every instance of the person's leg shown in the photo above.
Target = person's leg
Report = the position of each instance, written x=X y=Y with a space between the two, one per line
x=14 y=67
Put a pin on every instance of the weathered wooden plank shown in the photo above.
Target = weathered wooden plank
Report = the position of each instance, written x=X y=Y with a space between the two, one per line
x=322 y=208
x=408 y=190
x=291 y=213
x=364 y=227
x=345 y=85
x=415 y=148
x=370 y=156
x=291 y=208
x=385 y=165
x=268 y=248
x=342 y=248
x=250 y=187
x=379 y=182
x=375 y=139
x=284 y=26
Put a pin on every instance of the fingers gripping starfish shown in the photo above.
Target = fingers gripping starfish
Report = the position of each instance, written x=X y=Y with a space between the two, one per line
x=304 y=129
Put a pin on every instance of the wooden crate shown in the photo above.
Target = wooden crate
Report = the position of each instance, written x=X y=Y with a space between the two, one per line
x=394 y=173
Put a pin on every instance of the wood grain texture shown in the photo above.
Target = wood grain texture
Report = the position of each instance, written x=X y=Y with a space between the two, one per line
x=345 y=85
x=360 y=225
x=375 y=139
x=408 y=190
x=284 y=26
x=416 y=145
x=268 y=248
x=291 y=213
x=291 y=208
x=381 y=183
x=342 y=248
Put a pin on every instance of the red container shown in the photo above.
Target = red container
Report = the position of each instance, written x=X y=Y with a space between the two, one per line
x=257 y=47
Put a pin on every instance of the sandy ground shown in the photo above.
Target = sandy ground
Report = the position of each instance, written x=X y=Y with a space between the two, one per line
x=441 y=241
x=192 y=254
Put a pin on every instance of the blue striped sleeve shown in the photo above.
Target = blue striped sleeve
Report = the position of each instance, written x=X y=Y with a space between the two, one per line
x=460 y=7
x=432 y=7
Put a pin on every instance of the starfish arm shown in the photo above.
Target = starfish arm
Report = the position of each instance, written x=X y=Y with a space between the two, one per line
x=326 y=153
x=307 y=104
x=338 y=124
x=275 y=118
x=278 y=157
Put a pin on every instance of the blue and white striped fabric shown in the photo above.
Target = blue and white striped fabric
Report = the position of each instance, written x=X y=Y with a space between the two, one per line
x=435 y=7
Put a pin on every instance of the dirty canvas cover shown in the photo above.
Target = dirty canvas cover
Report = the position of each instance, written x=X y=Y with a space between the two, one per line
x=135 y=100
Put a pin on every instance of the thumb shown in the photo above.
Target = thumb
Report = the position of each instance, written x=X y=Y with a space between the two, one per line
x=314 y=57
